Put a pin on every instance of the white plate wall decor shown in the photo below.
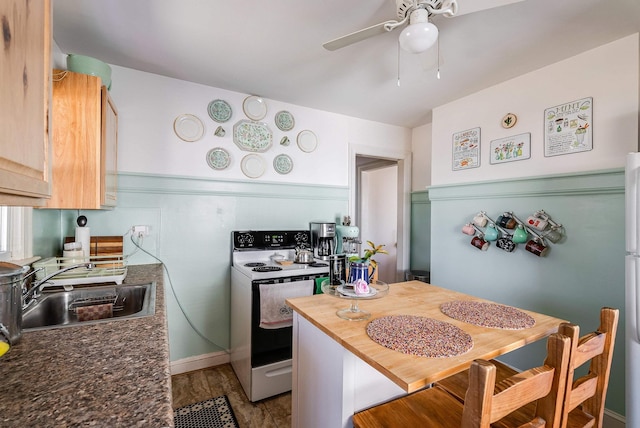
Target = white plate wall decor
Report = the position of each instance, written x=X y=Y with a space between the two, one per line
x=218 y=158
x=283 y=164
x=254 y=107
x=307 y=141
x=252 y=136
x=220 y=111
x=284 y=121
x=253 y=165
x=188 y=127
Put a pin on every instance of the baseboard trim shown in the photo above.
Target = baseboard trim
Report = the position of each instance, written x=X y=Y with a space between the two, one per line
x=613 y=420
x=199 y=362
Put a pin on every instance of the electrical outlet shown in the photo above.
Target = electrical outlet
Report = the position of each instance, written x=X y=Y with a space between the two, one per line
x=141 y=231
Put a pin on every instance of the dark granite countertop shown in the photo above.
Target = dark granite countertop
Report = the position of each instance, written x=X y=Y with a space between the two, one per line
x=111 y=374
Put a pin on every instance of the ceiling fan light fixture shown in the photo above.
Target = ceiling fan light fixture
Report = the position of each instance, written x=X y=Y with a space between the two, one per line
x=420 y=34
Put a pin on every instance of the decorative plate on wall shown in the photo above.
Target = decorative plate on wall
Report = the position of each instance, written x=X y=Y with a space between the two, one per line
x=283 y=164
x=509 y=120
x=254 y=107
x=219 y=110
x=284 y=120
x=252 y=136
x=188 y=127
x=253 y=165
x=218 y=158
x=307 y=141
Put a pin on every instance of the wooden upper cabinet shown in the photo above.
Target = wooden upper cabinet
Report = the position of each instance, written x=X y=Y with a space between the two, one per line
x=85 y=133
x=25 y=101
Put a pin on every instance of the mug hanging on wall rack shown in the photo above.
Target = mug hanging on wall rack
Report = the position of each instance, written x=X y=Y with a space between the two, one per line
x=480 y=219
x=507 y=221
x=505 y=241
x=520 y=235
x=549 y=229
x=491 y=233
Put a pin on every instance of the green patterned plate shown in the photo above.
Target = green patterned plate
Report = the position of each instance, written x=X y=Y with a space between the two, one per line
x=220 y=111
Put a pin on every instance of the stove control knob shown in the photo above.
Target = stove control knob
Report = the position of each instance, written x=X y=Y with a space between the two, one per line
x=301 y=238
x=245 y=239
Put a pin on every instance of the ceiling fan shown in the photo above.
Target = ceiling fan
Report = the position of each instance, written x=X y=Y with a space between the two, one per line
x=419 y=35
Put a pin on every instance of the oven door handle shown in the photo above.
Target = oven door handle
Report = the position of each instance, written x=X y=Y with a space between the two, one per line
x=278 y=372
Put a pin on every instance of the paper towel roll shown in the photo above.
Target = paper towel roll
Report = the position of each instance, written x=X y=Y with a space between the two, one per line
x=83 y=235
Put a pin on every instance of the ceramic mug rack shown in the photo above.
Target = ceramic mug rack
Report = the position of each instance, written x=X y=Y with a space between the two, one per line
x=509 y=231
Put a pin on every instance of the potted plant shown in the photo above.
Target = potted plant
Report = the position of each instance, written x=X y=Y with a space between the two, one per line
x=367 y=259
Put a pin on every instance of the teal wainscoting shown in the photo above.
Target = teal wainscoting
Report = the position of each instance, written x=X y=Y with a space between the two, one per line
x=579 y=275
x=191 y=221
x=420 y=243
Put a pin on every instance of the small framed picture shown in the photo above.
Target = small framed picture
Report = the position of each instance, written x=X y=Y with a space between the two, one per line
x=509 y=149
x=466 y=149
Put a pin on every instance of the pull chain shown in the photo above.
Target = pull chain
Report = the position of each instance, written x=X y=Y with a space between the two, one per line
x=438 y=73
x=398 y=62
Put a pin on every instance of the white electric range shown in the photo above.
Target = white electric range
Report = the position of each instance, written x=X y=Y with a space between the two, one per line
x=260 y=350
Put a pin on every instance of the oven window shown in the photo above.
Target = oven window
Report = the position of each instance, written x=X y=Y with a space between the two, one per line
x=271 y=345
x=267 y=345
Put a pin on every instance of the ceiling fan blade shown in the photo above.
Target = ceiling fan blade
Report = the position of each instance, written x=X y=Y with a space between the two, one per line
x=360 y=35
x=468 y=6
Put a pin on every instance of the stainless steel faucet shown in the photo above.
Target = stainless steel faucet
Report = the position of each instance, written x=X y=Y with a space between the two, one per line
x=29 y=296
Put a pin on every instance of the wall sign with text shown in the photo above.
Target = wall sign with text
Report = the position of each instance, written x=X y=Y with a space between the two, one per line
x=466 y=149
x=568 y=128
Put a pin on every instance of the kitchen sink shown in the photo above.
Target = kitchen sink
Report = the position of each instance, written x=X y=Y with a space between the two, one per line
x=60 y=308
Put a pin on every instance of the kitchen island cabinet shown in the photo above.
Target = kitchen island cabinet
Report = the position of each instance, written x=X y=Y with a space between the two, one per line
x=339 y=370
x=85 y=138
x=111 y=374
x=25 y=94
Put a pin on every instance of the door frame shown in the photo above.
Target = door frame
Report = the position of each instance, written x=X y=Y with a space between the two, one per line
x=403 y=201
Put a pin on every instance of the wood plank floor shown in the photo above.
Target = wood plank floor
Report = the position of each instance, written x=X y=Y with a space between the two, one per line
x=200 y=385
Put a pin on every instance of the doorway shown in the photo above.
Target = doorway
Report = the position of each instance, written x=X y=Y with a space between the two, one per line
x=377 y=215
x=380 y=180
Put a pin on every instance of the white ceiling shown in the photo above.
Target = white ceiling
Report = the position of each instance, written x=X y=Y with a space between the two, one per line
x=273 y=48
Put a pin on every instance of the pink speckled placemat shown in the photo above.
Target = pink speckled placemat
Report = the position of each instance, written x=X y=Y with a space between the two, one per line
x=486 y=314
x=421 y=336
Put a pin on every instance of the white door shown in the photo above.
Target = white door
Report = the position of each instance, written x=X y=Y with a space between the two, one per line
x=379 y=216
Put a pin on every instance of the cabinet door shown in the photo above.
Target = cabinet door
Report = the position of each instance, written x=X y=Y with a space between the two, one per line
x=109 y=185
x=25 y=99
x=76 y=141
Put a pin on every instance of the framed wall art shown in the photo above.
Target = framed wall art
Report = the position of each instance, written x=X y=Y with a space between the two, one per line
x=509 y=149
x=568 y=128
x=466 y=149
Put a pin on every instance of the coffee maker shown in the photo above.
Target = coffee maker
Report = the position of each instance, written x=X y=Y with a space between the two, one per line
x=323 y=239
x=348 y=238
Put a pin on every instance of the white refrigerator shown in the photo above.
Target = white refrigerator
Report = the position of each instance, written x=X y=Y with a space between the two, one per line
x=632 y=290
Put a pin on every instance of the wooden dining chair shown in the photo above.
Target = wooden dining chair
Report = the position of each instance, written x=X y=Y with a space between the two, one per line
x=486 y=401
x=585 y=396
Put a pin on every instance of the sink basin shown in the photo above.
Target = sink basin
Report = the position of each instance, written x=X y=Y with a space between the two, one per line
x=55 y=309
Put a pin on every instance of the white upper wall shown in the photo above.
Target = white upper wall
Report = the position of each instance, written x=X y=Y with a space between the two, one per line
x=609 y=74
x=148 y=104
x=421 y=148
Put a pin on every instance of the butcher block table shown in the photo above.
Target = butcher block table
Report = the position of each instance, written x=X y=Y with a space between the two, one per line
x=339 y=370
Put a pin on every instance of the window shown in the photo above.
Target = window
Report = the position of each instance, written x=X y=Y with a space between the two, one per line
x=16 y=233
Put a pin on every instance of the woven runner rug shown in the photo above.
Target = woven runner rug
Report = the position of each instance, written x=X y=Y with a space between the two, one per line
x=212 y=413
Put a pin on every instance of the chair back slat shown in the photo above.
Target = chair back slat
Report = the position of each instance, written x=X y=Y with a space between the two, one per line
x=525 y=387
x=589 y=346
x=583 y=388
x=536 y=423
